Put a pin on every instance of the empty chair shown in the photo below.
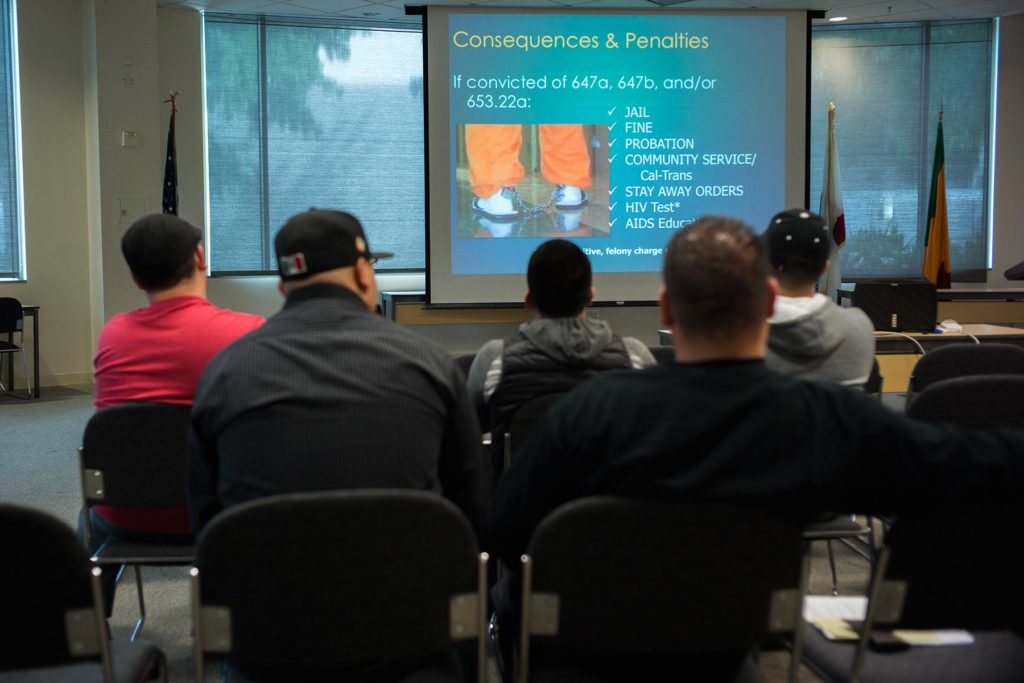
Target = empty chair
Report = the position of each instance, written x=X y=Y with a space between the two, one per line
x=664 y=355
x=640 y=590
x=926 y=586
x=52 y=608
x=978 y=401
x=323 y=584
x=133 y=455
x=12 y=320
x=961 y=360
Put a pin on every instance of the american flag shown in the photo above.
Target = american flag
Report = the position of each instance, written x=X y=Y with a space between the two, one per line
x=170 y=202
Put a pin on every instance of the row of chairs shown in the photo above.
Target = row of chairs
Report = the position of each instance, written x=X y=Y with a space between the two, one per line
x=369 y=580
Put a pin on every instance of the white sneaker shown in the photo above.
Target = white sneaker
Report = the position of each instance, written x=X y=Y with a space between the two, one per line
x=500 y=206
x=569 y=197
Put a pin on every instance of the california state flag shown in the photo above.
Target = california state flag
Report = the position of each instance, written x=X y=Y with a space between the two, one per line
x=831 y=208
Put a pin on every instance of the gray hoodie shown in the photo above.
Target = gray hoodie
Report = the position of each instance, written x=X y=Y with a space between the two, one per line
x=573 y=341
x=813 y=338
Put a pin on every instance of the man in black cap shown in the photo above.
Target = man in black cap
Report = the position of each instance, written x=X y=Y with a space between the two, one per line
x=810 y=336
x=329 y=395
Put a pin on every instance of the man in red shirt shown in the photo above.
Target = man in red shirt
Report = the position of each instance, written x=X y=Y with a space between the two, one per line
x=156 y=354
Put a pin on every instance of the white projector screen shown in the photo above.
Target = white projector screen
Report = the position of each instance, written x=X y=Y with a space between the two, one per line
x=657 y=117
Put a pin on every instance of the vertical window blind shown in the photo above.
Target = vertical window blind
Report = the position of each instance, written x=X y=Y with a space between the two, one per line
x=888 y=84
x=10 y=209
x=304 y=115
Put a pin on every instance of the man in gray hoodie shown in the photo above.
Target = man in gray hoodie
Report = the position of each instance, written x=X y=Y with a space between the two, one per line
x=809 y=335
x=557 y=350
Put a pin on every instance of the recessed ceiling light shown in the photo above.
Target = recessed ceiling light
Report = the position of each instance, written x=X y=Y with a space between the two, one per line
x=838 y=18
x=834 y=16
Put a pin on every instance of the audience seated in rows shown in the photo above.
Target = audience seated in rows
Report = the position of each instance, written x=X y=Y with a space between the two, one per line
x=810 y=335
x=156 y=354
x=329 y=395
x=718 y=425
x=556 y=350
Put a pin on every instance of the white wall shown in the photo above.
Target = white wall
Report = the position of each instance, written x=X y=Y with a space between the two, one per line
x=75 y=103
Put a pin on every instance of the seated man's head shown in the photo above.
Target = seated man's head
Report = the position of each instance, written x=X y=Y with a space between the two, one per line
x=559 y=280
x=163 y=252
x=718 y=293
x=321 y=246
x=798 y=244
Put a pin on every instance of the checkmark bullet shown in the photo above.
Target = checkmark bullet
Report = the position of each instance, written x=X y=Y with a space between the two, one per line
x=611 y=126
x=611 y=207
x=612 y=111
x=612 y=158
x=611 y=223
x=612 y=191
x=611 y=143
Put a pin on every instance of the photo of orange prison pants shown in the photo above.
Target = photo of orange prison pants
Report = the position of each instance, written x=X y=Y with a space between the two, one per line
x=493 y=151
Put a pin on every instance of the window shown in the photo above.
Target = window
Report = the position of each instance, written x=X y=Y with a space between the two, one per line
x=10 y=198
x=888 y=84
x=303 y=114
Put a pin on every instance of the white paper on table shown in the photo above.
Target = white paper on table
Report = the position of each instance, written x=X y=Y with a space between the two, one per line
x=845 y=607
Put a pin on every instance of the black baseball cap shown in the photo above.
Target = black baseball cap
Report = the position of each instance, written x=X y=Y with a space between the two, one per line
x=318 y=240
x=798 y=238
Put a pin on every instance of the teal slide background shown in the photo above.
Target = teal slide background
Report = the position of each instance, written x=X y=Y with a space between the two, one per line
x=741 y=113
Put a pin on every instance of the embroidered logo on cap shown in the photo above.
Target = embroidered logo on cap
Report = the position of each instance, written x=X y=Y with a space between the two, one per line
x=293 y=264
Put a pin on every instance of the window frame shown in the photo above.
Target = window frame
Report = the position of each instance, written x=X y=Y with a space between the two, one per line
x=16 y=232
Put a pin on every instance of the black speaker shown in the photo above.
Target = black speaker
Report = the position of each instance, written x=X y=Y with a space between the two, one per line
x=898 y=305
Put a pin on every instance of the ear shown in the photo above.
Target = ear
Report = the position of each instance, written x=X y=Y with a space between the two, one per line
x=364 y=276
x=199 y=258
x=590 y=297
x=773 y=291
x=528 y=301
x=665 y=308
x=280 y=288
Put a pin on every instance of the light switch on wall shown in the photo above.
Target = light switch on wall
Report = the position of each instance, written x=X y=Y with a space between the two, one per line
x=129 y=138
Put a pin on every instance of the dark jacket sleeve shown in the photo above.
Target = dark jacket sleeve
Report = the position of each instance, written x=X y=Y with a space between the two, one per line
x=464 y=469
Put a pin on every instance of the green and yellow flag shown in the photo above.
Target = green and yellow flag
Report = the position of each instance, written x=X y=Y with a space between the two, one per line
x=936 y=236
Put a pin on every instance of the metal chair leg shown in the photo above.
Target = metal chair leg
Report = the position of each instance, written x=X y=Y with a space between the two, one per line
x=142 y=603
x=832 y=566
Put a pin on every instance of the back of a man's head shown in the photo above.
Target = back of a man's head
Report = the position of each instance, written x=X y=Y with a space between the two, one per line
x=160 y=250
x=559 y=278
x=798 y=246
x=716 y=278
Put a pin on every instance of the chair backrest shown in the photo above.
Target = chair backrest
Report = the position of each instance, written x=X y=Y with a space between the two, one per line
x=962 y=360
x=636 y=576
x=464 y=361
x=978 y=401
x=524 y=420
x=47 y=593
x=140 y=450
x=11 y=315
x=873 y=387
x=336 y=578
x=953 y=568
x=664 y=355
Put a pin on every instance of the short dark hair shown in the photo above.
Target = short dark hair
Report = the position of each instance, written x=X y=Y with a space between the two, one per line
x=158 y=249
x=559 y=279
x=716 y=277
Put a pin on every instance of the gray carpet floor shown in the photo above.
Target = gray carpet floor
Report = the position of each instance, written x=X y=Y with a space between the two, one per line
x=39 y=468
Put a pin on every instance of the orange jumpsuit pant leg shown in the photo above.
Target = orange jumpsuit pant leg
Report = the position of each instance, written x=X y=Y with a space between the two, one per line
x=565 y=159
x=493 y=151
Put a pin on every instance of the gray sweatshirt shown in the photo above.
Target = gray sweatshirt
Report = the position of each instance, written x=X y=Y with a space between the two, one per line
x=813 y=338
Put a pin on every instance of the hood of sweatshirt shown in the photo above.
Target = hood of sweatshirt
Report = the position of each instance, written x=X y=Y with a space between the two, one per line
x=568 y=340
x=805 y=326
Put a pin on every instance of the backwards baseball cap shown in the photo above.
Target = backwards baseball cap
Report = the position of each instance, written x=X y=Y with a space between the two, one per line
x=798 y=240
x=318 y=240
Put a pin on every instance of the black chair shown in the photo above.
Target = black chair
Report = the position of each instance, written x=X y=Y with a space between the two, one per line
x=874 y=386
x=664 y=355
x=12 y=320
x=927 y=587
x=978 y=401
x=524 y=420
x=962 y=360
x=673 y=591
x=51 y=604
x=133 y=455
x=464 y=361
x=323 y=584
